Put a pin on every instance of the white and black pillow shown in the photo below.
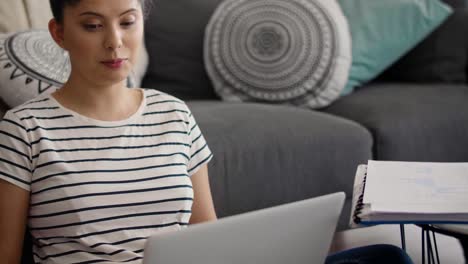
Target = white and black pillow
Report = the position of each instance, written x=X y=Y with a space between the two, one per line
x=296 y=52
x=31 y=63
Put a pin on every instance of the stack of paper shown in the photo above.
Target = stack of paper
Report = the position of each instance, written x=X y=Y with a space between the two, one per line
x=399 y=192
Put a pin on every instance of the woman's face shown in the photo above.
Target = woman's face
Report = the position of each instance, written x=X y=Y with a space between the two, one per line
x=103 y=38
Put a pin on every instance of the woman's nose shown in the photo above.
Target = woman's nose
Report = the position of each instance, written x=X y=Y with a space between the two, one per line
x=113 y=39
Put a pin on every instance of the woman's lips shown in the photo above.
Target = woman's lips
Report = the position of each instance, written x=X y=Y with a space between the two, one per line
x=114 y=64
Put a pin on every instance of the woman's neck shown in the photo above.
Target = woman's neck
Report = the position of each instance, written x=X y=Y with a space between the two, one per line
x=108 y=103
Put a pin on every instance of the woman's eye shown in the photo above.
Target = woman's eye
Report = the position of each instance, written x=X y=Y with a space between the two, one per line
x=92 y=27
x=127 y=24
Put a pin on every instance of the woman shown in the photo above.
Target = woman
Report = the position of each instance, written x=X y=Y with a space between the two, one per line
x=99 y=166
x=95 y=168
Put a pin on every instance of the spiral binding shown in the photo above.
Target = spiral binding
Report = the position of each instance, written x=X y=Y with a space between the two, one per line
x=360 y=202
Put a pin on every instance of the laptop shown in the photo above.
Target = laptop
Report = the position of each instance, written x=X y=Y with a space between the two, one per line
x=299 y=233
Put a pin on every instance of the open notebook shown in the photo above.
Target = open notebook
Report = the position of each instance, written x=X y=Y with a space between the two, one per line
x=410 y=192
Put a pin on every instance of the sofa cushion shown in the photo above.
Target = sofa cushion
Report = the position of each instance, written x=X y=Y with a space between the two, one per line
x=295 y=52
x=31 y=64
x=441 y=57
x=265 y=155
x=174 y=39
x=457 y=3
x=383 y=31
x=14 y=17
x=23 y=15
x=411 y=122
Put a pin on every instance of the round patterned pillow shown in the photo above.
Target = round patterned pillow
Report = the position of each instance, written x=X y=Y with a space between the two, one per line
x=295 y=52
x=31 y=63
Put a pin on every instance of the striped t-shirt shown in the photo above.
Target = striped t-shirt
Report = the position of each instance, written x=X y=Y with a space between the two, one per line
x=100 y=188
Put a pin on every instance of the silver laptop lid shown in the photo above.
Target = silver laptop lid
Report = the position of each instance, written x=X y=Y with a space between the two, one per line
x=299 y=233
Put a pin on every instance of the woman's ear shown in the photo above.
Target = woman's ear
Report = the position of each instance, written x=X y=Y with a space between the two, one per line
x=56 y=31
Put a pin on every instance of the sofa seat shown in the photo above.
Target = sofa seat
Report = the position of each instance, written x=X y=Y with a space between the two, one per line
x=266 y=155
x=411 y=122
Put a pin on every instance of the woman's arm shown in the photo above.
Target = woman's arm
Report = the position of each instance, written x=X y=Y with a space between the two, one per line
x=14 y=204
x=202 y=208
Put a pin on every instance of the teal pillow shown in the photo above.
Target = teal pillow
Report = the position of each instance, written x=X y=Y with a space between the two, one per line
x=384 y=30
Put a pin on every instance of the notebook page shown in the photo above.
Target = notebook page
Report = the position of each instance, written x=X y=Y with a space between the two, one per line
x=417 y=187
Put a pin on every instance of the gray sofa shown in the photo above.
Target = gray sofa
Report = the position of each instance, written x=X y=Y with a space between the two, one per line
x=265 y=155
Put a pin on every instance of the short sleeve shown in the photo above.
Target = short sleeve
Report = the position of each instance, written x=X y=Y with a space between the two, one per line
x=200 y=153
x=15 y=152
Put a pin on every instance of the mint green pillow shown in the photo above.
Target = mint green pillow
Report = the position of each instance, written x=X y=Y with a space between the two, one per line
x=384 y=30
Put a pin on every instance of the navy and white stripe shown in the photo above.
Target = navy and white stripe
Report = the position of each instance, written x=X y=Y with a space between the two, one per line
x=100 y=188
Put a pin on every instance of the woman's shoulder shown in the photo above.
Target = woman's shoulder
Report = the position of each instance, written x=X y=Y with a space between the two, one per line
x=39 y=102
x=156 y=97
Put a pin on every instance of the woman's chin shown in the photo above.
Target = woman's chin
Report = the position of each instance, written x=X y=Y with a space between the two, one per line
x=114 y=76
x=113 y=79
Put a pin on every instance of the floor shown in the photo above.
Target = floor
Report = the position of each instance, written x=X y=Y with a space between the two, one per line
x=450 y=251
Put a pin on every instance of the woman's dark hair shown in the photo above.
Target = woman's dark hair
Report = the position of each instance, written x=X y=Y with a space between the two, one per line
x=58 y=6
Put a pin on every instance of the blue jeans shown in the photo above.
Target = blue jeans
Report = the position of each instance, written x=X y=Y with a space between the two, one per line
x=375 y=254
